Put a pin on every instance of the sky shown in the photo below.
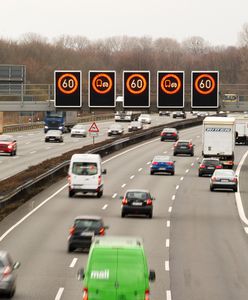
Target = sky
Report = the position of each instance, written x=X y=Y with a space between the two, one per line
x=217 y=21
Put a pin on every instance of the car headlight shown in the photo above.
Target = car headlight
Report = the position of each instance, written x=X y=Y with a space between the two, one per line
x=60 y=127
x=10 y=146
x=46 y=126
x=109 y=130
x=120 y=131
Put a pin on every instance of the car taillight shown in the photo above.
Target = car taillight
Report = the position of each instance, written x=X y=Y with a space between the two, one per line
x=72 y=230
x=99 y=179
x=234 y=179
x=174 y=134
x=7 y=271
x=10 y=146
x=190 y=145
x=147 y=294
x=170 y=163
x=149 y=202
x=85 y=294
x=155 y=163
x=124 y=201
x=69 y=179
x=219 y=167
x=102 y=231
x=202 y=166
x=213 y=178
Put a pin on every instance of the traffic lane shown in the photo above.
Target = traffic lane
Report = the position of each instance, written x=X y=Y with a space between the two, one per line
x=55 y=234
x=208 y=244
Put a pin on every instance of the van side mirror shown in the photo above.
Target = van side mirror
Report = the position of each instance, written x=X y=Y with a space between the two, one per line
x=104 y=171
x=80 y=274
x=152 y=275
x=121 y=197
x=106 y=227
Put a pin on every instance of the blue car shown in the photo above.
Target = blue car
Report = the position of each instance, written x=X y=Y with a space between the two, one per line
x=162 y=164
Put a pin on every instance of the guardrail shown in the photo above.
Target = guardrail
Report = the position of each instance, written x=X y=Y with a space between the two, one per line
x=28 y=126
x=32 y=187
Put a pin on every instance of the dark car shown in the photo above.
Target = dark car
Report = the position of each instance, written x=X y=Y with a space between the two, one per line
x=8 y=144
x=7 y=274
x=179 y=114
x=54 y=136
x=169 y=134
x=224 y=179
x=208 y=166
x=162 y=164
x=134 y=126
x=164 y=113
x=83 y=231
x=115 y=129
x=183 y=147
x=137 y=202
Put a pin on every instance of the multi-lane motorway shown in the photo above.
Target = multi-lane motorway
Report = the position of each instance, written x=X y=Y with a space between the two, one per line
x=195 y=242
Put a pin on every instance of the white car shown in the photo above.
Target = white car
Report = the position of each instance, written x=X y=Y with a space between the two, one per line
x=145 y=118
x=134 y=126
x=79 y=130
x=115 y=129
x=202 y=114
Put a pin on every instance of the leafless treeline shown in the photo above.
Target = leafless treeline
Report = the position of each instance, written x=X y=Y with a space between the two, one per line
x=125 y=53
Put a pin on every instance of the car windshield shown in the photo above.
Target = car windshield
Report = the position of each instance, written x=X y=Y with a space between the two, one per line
x=136 y=195
x=84 y=168
x=5 y=138
x=210 y=162
x=87 y=223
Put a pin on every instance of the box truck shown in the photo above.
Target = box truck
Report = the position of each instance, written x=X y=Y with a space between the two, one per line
x=241 y=129
x=60 y=120
x=219 y=139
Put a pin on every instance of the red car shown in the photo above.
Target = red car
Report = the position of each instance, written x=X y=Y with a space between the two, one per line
x=8 y=144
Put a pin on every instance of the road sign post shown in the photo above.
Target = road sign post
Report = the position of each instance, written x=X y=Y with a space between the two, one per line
x=93 y=131
x=170 y=89
x=136 y=89
x=101 y=89
x=205 y=89
x=68 y=89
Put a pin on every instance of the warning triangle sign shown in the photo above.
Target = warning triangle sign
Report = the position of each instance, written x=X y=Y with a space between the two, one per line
x=93 y=127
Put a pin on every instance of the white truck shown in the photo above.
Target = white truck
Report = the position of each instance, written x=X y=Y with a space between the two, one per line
x=241 y=128
x=219 y=139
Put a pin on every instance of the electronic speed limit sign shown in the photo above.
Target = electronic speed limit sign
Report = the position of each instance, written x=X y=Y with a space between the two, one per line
x=67 y=89
x=136 y=89
x=205 y=89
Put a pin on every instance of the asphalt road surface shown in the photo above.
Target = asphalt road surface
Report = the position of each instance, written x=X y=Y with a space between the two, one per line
x=195 y=242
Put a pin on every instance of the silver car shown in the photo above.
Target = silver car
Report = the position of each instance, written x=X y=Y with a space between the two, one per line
x=115 y=129
x=224 y=179
x=134 y=126
x=79 y=130
x=54 y=136
x=7 y=274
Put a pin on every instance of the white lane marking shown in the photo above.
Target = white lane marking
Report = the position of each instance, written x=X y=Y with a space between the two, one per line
x=192 y=164
x=237 y=195
x=187 y=171
x=168 y=223
x=148 y=163
x=31 y=212
x=177 y=187
x=59 y=294
x=105 y=206
x=15 y=157
x=170 y=209
x=124 y=184
x=246 y=229
x=32 y=152
x=27 y=143
x=167 y=243
x=115 y=194
x=140 y=169
x=173 y=197
x=73 y=263
x=47 y=148
x=181 y=178
x=20 y=136
x=197 y=158
x=168 y=295
x=167 y=265
x=131 y=177
x=165 y=152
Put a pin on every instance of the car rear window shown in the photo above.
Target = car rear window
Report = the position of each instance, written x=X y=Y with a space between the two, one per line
x=84 y=168
x=84 y=223
x=182 y=143
x=137 y=195
x=211 y=162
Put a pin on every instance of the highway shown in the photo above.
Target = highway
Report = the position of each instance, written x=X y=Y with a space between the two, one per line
x=195 y=241
x=31 y=148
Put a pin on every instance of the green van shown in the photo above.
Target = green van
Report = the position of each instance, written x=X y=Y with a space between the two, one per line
x=116 y=270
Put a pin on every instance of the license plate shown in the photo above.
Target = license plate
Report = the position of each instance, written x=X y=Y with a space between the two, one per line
x=224 y=180
x=87 y=233
x=210 y=168
x=162 y=169
x=137 y=203
x=183 y=147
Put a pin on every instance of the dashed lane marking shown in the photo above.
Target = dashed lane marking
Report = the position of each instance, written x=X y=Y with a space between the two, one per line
x=73 y=263
x=115 y=194
x=140 y=169
x=131 y=177
x=173 y=197
x=177 y=187
x=59 y=294
x=168 y=295
x=167 y=265
x=124 y=184
x=168 y=223
x=105 y=206
x=170 y=209
x=167 y=243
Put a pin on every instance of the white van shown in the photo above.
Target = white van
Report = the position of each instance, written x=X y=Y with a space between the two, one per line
x=85 y=174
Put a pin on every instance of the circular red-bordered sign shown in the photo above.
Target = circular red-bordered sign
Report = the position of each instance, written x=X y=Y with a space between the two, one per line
x=200 y=90
x=70 y=90
x=166 y=77
x=94 y=83
x=141 y=90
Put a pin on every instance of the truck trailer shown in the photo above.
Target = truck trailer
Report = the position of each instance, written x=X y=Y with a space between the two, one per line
x=218 y=139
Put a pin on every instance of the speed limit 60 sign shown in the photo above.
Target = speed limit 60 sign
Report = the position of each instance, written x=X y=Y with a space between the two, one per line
x=205 y=89
x=101 y=92
x=136 y=89
x=67 y=89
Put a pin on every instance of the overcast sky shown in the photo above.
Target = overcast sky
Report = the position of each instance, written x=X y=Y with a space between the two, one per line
x=217 y=21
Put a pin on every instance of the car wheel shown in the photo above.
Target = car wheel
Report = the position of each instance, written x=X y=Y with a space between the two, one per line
x=71 y=193
x=211 y=189
x=235 y=190
x=151 y=172
x=199 y=174
x=173 y=173
x=70 y=249
x=12 y=153
x=174 y=154
x=99 y=194
x=123 y=214
x=191 y=154
x=150 y=215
